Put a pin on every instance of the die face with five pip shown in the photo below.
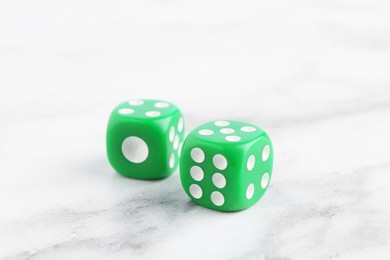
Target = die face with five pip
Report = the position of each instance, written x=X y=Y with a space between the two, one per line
x=226 y=165
x=144 y=139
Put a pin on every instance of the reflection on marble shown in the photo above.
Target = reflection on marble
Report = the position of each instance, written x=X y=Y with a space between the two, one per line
x=313 y=74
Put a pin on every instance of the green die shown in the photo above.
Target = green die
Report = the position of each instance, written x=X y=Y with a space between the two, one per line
x=226 y=165
x=144 y=138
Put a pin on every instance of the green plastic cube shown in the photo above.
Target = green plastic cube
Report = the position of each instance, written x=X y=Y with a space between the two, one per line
x=144 y=138
x=226 y=165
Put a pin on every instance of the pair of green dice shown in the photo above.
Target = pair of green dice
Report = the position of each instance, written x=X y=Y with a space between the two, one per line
x=224 y=165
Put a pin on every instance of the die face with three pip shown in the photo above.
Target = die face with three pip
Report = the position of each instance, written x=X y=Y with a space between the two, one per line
x=226 y=165
x=144 y=138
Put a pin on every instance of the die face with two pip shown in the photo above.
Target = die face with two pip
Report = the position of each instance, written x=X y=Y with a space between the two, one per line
x=144 y=139
x=226 y=165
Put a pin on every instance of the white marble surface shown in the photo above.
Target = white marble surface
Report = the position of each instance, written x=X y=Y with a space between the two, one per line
x=314 y=74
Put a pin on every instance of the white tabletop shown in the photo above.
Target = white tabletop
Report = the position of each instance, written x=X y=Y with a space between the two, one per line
x=314 y=75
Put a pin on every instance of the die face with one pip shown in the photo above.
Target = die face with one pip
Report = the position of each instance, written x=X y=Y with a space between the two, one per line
x=144 y=138
x=226 y=165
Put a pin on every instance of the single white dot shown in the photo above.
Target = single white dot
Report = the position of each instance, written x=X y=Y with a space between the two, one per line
x=248 y=129
x=227 y=130
x=171 y=134
x=250 y=190
x=266 y=152
x=264 y=180
x=161 y=105
x=219 y=180
x=196 y=173
x=172 y=160
x=197 y=155
x=136 y=102
x=220 y=162
x=180 y=147
x=176 y=142
x=180 y=124
x=217 y=198
x=250 y=163
x=152 y=114
x=196 y=191
x=135 y=149
x=126 y=111
x=221 y=123
x=232 y=138
x=206 y=132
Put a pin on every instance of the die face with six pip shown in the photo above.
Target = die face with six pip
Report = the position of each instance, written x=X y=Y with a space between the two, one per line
x=144 y=138
x=226 y=165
